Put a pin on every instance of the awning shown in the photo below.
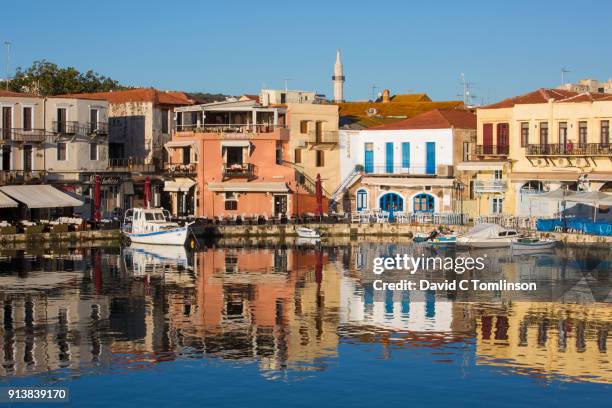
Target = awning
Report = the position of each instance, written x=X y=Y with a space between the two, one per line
x=482 y=165
x=127 y=188
x=7 y=202
x=179 y=184
x=560 y=176
x=407 y=181
x=591 y=197
x=275 y=187
x=559 y=194
x=40 y=196
x=182 y=143
x=235 y=143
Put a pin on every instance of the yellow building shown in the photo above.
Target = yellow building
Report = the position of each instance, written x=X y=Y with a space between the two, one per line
x=537 y=142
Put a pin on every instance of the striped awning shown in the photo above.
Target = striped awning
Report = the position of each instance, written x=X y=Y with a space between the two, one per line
x=40 y=196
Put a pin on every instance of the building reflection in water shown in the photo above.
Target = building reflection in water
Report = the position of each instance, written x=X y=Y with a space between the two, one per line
x=284 y=309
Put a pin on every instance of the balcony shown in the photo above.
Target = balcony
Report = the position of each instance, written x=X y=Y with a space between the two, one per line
x=491 y=150
x=416 y=171
x=490 y=186
x=181 y=169
x=228 y=128
x=66 y=128
x=322 y=137
x=23 y=135
x=570 y=149
x=236 y=170
x=130 y=165
x=21 y=176
x=97 y=128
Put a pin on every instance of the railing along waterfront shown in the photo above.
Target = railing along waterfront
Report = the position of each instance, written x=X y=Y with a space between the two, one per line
x=570 y=149
x=508 y=221
x=229 y=128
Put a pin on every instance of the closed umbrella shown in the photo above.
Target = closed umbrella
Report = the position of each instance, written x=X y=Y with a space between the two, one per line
x=97 y=199
x=319 y=194
x=147 y=192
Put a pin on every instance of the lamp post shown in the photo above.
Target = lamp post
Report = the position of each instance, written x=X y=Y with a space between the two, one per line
x=459 y=187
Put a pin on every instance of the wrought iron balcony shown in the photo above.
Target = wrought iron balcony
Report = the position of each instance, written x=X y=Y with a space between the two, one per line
x=491 y=150
x=181 y=168
x=236 y=170
x=21 y=176
x=66 y=128
x=490 y=186
x=23 y=135
x=130 y=165
x=570 y=149
x=416 y=171
x=228 y=128
x=98 y=128
x=323 y=137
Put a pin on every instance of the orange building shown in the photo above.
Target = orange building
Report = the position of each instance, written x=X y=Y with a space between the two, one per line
x=229 y=159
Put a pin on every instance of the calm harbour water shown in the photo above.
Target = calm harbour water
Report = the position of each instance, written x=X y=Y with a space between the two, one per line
x=273 y=326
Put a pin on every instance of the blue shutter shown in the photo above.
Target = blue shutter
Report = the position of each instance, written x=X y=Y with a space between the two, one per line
x=368 y=162
x=430 y=163
x=406 y=155
x=389 y=148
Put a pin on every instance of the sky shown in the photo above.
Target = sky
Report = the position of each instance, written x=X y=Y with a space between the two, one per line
x=236 y=47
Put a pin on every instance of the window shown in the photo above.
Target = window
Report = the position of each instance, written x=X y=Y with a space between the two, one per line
x=503 y=136
x=164 y=118
x=497 y=174
x=497 y=204
x=605 y=132
x=406 y=155
x=279 y=153
x=320 y=158
x=297 y=156
x=186 y=155
x=423 y=203
x=368 y=159
x=231 y=201
x=391 y=202
x=582 y=133
x=466 y=151
x=27 y=118
x=543 y=133
x=562 y=133
x=93 y=120
x=303 y=126
x=362 y=200
x=389 y=157
x=524 y=134
x=233 y=155
x=61 y=151
x=283 y=97
x=93 y=151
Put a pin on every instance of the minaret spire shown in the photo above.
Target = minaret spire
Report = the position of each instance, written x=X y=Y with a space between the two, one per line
x=338 y=79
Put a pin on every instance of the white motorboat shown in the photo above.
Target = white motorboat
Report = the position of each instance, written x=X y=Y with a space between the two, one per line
x=533 y=244
x=146 y=259
x=487 y=236
x=153 y=226
x=304 y=232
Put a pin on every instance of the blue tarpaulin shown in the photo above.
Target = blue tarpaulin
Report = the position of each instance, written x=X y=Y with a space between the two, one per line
x=578 y=224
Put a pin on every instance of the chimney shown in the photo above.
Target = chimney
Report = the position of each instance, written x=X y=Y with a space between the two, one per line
x=385 y=96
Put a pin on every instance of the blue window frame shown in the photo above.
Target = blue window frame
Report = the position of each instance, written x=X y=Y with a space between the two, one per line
x=391 y=202
x=430 y=159
x=368 y=159
x=423 y=203
x=389 y=157
x=362 y=200
x=406 y=155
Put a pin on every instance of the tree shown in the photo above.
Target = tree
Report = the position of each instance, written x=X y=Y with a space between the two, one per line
x=46 y=78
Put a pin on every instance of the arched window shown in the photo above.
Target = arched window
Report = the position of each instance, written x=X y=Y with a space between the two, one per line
x=362 y=200
x=532 y=187
x=391 y=202
x=423 y=203
x=607 y=187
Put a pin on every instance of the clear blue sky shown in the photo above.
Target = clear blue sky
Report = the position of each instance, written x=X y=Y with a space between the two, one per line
x=236 y=46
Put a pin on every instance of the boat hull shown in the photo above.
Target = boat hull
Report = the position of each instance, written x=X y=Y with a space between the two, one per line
x=175 y=236
x=307 y=233
x=493 y=243
x=533 y=246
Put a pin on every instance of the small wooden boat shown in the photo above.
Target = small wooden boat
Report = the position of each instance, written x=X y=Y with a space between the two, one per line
x=533 y=244
x=420 y=237
x=304 y=232
x=442 y=240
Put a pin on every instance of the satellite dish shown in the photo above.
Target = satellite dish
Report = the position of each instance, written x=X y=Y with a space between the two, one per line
x=371 y=111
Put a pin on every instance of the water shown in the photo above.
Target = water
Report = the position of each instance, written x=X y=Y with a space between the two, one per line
x=275 y=326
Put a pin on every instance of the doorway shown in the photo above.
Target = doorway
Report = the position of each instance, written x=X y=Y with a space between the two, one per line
x=280 y=205
x=27 y=158
x=7 y=122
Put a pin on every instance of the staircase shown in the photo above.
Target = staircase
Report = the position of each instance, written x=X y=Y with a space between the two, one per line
x=305 y=181
x=348 y=180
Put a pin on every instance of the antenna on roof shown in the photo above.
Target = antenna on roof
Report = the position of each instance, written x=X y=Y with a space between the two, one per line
x=564 y=71
x=374 y=94
x=287 y=84
x=467 y=91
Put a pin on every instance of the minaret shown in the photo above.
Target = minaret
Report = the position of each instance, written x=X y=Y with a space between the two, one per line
x=338 y=79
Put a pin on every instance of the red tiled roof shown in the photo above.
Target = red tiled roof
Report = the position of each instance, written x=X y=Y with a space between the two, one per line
x=137 y=95
x=435 y=119
x=588 y=97
x=250 y=97
x=17 y=94
x=542 y=95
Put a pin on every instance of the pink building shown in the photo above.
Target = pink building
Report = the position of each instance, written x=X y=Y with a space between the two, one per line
x=229 y=159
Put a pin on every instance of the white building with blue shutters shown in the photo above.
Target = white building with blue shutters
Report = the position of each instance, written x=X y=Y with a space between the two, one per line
x=406 y=166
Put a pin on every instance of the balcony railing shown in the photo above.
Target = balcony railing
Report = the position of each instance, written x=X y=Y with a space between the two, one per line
x=21 y=176
x=440 y=171
x=324 y=137
x=130 y=164
x=99 y=128
x=490 y=186
x=23 y=135
x=570 y=149
x=181 y=168
x=68 y=128
x=228 y=128
x=236 y=170
x=491 y=150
